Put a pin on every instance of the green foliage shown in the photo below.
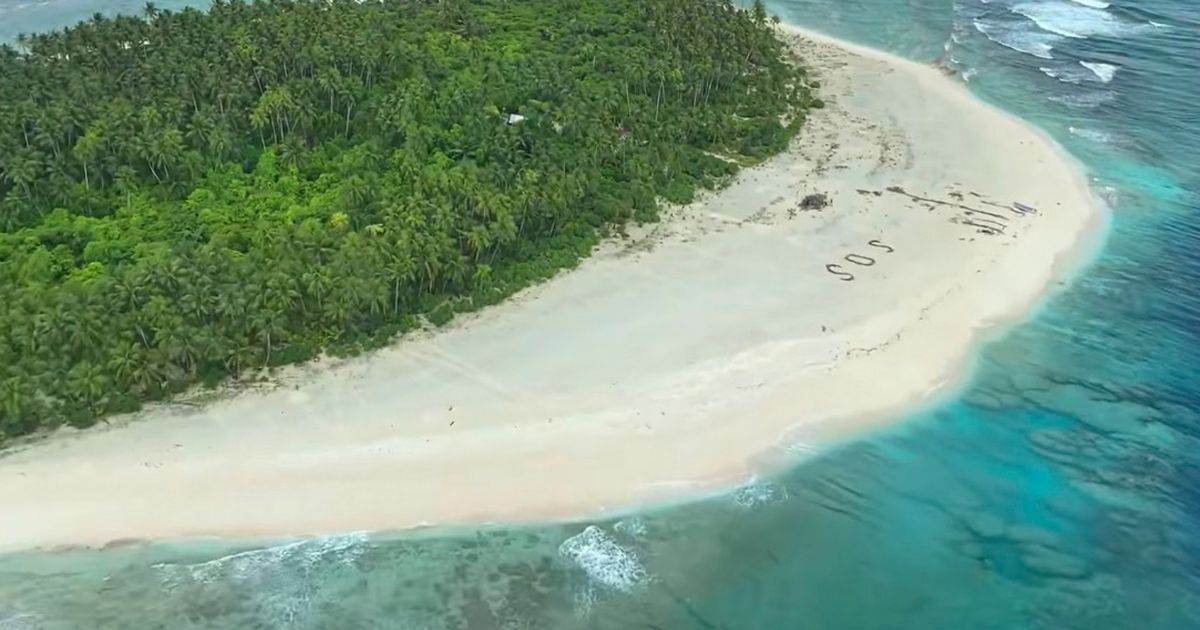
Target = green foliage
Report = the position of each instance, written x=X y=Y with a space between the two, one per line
x=192 y=196
x=679 y=191
x=441 y=315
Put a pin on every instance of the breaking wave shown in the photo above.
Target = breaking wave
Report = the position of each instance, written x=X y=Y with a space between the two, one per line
x=1066 y=75
x=1085 y=100
x=1103 y=71
x=758 y=492
x=1086 y=71
x=1094 y=135
x=297 y=557
x=604 y=561
x=289 y=582
x=1074 y=20
x=1016 y=37
x=1095 y=4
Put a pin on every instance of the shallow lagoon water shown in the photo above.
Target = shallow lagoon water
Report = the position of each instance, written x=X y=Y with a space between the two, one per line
x=1060 y=489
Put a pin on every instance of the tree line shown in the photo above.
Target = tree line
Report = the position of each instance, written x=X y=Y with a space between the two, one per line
x=185 y=196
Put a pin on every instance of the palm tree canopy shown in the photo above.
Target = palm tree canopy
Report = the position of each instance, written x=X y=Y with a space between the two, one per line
x=187 y=195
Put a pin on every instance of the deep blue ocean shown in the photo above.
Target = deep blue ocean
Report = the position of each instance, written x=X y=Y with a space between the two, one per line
x=1060 y=490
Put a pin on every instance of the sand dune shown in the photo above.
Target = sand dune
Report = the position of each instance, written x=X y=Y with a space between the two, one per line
x=741 y=328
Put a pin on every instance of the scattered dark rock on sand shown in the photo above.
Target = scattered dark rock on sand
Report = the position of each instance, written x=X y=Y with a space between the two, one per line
x=815 y=201
x=944 y=65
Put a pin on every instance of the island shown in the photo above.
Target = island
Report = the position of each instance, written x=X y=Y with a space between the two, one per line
x=304 y=261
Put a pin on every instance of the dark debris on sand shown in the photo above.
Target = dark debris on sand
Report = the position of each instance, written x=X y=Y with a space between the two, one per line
x=815 y=201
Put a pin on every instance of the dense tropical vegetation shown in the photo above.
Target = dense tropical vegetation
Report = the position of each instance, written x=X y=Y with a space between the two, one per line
x=187 y=196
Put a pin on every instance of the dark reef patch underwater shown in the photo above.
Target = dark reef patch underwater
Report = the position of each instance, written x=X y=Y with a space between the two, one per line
x=1060 y=490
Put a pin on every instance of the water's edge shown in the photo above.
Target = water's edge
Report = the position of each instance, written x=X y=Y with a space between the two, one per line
x=1058 y=489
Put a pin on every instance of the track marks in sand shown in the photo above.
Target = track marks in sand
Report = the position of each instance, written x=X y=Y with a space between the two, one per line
x=984 y=221
x=895 y=149
x=862 y=260
x=436 y=357
x=987 y=222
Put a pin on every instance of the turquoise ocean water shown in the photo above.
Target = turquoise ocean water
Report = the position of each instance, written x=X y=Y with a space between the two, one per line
x=1060 y=490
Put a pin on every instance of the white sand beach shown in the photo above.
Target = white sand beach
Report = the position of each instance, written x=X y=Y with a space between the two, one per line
x=684 y=358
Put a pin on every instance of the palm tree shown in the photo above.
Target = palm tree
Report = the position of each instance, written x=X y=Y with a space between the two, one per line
x=477 y=240
x=269 y=326
x=88 y=383
x=316 y=283
x=125 y=362
x=243 y=238
x=401 y=268
x=88 y=148
x=22 y=169
x=13 y=397
x=125 y=182
x=356 y=192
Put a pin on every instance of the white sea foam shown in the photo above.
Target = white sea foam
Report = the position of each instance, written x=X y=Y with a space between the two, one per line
x=1094 y=135
x=1085 y=71
x=1085 y=100
x=251 y=564
x=1103 y=71
x=604 y=561
x=284 y=581
x=798 y=448
x=1074 y=20
x=1110 y=195
x=19 y=621
x=1015 y=36
x=634 y=527
x=1066 y=75
x=1095 y=4
x=585 y=601
x=758 y=492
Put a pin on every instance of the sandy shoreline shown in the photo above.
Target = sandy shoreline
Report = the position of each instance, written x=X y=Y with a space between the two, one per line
x=683 y=359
